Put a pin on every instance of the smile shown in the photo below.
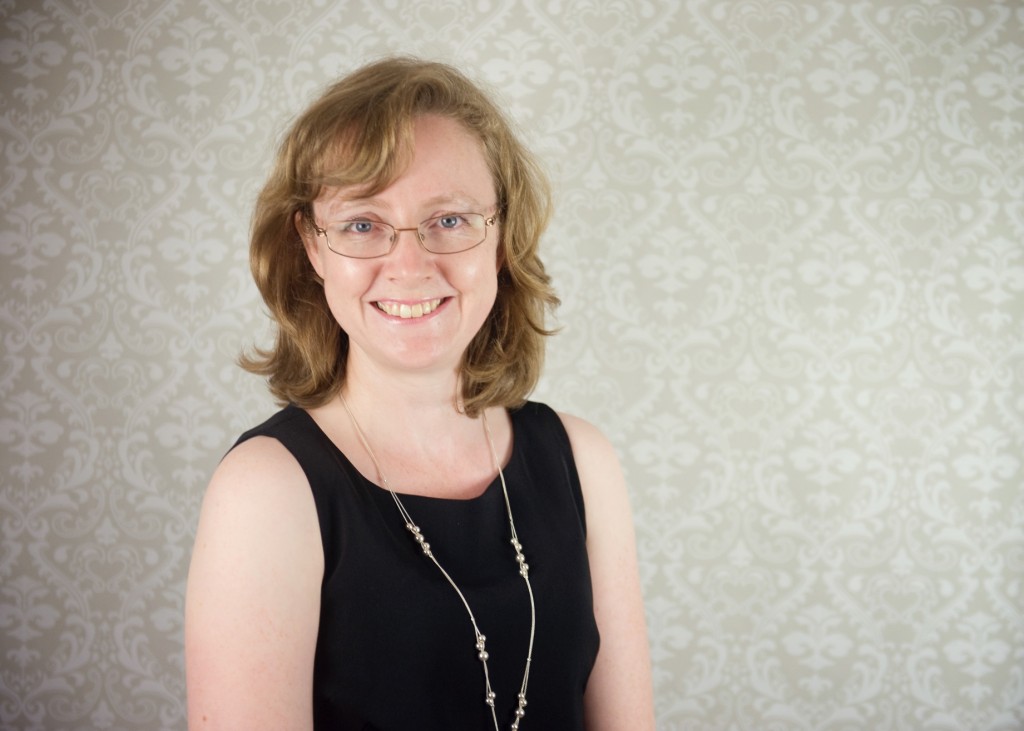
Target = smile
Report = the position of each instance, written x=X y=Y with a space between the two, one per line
x=407 y=312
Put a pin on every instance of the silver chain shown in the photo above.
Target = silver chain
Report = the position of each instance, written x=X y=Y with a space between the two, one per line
x=524 y=571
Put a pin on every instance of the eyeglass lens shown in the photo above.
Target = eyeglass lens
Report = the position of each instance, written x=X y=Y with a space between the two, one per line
x=447 y=234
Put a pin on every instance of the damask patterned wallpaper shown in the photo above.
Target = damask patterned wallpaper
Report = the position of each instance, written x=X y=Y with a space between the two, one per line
x=790 y=245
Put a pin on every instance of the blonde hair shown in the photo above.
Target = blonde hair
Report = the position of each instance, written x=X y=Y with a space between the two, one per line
x=359 y=132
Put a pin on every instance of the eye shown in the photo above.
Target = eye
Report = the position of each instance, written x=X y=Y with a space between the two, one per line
x=362 y=227
x=450 y=221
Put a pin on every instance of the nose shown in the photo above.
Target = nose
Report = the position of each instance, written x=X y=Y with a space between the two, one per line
x=398 y=233
x=408 y=260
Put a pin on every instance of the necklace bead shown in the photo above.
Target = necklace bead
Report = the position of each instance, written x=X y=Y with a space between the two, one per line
x=481 y=639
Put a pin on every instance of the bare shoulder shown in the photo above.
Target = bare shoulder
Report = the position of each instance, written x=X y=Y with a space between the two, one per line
x=258 y=495
x=619 y=692
x=585 y=437
x=581 y=429
x=596 y=460
x=261 y=468
x=252 y=603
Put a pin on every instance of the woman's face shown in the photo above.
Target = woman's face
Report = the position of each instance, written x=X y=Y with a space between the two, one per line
x=412 y=310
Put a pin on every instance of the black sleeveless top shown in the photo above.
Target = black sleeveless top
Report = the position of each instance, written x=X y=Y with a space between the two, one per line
x=395 y=648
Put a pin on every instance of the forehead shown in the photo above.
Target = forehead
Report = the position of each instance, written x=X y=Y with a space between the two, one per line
x=444 y=163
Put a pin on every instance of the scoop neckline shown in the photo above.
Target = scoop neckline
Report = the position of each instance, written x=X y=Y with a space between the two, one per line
x=415 y=497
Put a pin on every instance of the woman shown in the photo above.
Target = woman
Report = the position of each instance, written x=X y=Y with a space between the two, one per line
x=409 y=542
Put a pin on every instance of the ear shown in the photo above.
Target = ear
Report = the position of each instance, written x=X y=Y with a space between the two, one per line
x=310 y=242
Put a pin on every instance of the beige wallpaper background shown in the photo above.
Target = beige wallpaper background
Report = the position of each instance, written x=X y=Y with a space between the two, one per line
x=790 y=245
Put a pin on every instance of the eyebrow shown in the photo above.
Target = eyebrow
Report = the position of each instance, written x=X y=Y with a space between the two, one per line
x=457 y=198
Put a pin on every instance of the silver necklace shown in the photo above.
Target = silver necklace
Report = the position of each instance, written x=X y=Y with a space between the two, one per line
x=524 y=571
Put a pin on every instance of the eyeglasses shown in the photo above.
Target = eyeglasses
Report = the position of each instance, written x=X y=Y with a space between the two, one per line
x=363 y=238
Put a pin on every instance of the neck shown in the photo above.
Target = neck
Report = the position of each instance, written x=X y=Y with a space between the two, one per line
x=403 y=395
x=423 y=442
x=421 y=415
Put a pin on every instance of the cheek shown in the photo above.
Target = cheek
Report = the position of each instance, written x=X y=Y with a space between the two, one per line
x=485 y=275
x=344 y=285
x=335 y=304
x=493 y=262
x=491 y=288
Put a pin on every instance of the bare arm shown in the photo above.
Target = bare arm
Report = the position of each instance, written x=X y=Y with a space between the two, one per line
x=253 y=599
x=619 y=693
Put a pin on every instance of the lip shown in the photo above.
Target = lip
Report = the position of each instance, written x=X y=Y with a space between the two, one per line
x=410 y=310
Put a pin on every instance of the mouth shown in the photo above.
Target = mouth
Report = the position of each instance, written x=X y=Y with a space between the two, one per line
x=407 y=311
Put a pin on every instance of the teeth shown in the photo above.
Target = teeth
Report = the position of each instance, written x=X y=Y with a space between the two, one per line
x=407 y=312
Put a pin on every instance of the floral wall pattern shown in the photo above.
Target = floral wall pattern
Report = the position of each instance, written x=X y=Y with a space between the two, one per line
x=790 y=245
